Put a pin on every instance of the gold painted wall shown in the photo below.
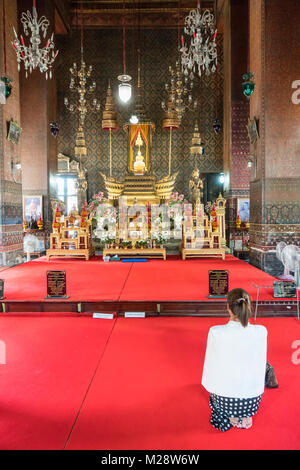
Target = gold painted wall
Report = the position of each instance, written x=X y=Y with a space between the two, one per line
x=103 y=50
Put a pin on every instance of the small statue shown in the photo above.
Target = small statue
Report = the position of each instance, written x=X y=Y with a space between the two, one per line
x=33 y=224
x=238 y=222
x=196 y=188
x=139 y=167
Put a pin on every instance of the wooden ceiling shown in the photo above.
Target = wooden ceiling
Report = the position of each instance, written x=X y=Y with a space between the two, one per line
x=146 y=14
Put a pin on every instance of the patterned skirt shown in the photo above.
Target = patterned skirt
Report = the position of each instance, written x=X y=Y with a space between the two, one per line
x=223 y=408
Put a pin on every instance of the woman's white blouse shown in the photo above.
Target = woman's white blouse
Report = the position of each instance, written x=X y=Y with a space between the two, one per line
x=235 y=360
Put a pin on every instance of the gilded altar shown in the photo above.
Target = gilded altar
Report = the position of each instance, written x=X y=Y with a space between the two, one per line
x=204 y=235
x=72 y=236
x=139 y=184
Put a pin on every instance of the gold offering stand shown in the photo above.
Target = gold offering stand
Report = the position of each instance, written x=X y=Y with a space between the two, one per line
x=202 y=236
x=72 y=237
x=135 y=244
x=132 y=252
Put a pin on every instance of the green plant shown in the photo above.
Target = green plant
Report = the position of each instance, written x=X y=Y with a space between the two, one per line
x=160 y=239
x=108 y=241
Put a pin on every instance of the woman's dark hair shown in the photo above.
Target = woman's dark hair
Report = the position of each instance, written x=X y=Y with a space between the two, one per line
x=240 y=304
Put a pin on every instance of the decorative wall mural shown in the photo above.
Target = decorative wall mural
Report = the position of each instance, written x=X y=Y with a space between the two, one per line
x=157 y=52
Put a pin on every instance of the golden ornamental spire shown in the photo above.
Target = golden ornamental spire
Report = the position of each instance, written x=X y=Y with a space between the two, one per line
x=197 y=147
x=80 y=147
x=109 y=119
x=171 y=118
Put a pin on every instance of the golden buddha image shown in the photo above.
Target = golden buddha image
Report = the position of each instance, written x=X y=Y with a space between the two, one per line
x=139 y=166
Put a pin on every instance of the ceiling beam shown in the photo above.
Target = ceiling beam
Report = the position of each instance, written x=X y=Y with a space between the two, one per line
x=103 y=14
x=62 y=16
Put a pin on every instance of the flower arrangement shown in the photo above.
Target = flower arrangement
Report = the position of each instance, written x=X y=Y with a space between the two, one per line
x=176 y=204
x=141 y=244
x=208 y=207
x=177 y=198
x=160 y=239
x=97 y=200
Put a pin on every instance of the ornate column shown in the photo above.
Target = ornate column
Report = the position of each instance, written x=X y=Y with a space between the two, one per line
x=11 y=230
x=275 y=178
x=38 y=109
x=236 y=107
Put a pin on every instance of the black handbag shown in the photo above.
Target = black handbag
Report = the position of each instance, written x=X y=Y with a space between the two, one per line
x=270 y=377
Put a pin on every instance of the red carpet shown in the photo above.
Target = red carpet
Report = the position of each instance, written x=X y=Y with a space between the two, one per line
x=146 y=393
x=156 y=280
x=49 y=365
x=179 y=280
x=86 y=280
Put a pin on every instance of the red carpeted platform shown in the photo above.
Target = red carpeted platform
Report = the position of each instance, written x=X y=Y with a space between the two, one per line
x=179 y=280
x=147 y=394
x=86 y=280
x=155 y=280
x=83 y=383
x=50 y=363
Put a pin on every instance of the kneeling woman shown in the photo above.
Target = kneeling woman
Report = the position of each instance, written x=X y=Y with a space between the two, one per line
x=235 y=365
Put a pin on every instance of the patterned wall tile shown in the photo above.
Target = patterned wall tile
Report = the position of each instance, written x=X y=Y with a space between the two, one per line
x=103 y=50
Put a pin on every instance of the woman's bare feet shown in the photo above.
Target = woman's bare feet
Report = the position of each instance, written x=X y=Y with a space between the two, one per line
x=234 y=422
x=245 y=424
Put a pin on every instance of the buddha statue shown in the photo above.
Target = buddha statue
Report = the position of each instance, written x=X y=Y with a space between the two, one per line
x=196 y=187
x=139 y=166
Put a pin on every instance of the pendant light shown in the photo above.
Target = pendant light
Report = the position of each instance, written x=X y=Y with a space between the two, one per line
x=5 y=82
x=124 y=86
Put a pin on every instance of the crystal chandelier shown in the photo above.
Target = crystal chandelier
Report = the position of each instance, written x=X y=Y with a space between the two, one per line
x=180 y=92
x=33 y=56
x=201 y=55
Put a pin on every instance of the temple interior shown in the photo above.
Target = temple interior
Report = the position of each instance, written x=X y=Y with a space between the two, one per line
x=228 y=124
x=144 y=145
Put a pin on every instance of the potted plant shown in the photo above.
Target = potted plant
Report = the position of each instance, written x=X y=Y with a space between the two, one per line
x=160 y=240
x=107 y=242
x=127 y=244
x=143 y=244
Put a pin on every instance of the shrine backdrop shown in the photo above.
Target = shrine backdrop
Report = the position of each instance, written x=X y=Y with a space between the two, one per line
x=103 y=50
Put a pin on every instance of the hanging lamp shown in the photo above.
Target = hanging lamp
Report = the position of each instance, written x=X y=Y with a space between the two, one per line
x=125 y=88
x=5 y=82
x=33 y=56
x=248 y=84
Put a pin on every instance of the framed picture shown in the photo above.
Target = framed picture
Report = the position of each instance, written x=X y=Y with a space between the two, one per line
x=243 y=208
x=252 y=128
x=14 y=132
x=284 y=289
x=32 y=208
